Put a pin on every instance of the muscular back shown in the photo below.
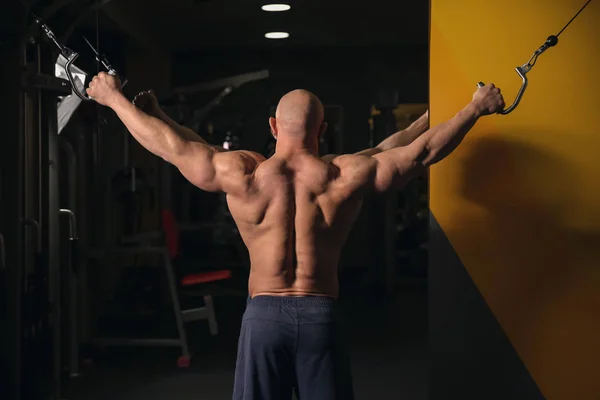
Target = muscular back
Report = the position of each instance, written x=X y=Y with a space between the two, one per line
x=294 y=218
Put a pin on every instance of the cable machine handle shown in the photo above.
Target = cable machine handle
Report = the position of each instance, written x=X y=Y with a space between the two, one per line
x=523 y=70
x=519 y=95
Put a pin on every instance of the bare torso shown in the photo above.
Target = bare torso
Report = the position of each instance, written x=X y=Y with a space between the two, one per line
x=294 y=220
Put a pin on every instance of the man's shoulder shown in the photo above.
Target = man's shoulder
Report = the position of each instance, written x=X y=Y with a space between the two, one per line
x=352 y=162
x=240 y=161
x=251 y=156
x=352 y=171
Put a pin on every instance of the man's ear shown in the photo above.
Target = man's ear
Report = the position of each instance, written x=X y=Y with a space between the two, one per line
x=273 y=125
x=323 y=129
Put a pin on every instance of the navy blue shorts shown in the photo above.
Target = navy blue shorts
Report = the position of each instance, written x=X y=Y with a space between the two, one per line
x=292 y=344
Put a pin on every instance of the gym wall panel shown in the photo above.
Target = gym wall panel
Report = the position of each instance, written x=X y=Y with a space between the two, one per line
x=519 y=200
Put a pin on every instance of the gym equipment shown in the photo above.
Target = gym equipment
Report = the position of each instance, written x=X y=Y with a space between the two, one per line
x=71 y=56
x=69 y=275
x=130 y=187
x=70 y=103
x=525 y=68
x=229 y=83
x=40 y=283
x=36 y=342
x=72 y=237
x=168 y=251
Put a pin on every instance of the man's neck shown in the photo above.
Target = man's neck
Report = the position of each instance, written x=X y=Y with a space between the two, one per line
x=289 y=147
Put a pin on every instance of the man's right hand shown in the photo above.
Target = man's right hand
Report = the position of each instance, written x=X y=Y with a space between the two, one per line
x=488 y=99
x=147 y=102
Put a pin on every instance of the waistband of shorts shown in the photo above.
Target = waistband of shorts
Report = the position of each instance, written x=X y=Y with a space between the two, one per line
x=293 y=301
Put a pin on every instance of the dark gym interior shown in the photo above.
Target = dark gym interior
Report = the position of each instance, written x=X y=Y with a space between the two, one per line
x=96 y=314
x=120 y=279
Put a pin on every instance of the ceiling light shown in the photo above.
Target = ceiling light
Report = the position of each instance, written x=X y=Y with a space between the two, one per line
x=277 y=35
x=276 y=7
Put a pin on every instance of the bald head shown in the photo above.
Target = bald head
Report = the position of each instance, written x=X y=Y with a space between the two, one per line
x=299 y=112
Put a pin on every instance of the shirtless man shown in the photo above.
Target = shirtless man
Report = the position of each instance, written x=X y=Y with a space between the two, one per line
x=294 y=212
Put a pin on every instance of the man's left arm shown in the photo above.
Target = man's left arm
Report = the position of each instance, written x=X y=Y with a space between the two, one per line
x=398 y=139
x=147 y=102
x=403 y=137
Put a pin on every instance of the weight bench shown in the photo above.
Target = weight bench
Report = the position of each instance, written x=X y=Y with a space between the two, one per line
x=177 y=288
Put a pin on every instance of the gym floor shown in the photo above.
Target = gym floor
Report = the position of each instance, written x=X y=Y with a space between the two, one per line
x=388 y=343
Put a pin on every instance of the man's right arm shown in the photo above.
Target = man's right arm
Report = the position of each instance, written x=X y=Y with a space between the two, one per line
x=394 y=168
x=210 y=168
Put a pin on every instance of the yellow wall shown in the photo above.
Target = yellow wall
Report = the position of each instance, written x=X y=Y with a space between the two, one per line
x=520 y=199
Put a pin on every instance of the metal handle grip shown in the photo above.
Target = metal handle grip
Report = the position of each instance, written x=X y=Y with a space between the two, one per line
x=72 y=222
x=71 y=79
x=515 y=103
x=74 y=255
x=73 y=239
x=81 y=95
x=38 y=232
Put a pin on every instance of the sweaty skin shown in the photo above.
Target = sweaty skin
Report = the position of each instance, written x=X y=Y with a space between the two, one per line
x=294 y=211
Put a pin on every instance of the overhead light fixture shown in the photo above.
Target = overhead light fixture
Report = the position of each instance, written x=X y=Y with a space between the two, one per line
x=276 y=7
x=277 y=35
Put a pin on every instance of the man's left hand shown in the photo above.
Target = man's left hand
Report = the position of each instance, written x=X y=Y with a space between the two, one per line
x=104 y=88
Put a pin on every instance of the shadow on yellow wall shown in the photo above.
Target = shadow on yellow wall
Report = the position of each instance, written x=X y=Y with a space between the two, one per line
x=540 y=273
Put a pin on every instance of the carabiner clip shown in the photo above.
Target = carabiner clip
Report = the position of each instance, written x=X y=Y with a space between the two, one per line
x=524 y=69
